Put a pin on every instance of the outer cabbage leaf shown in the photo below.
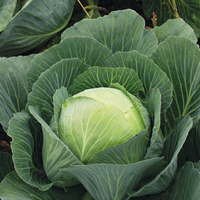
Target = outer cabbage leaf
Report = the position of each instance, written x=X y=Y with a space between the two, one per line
x=174 y=27
x=172 y=148
x=12 y=187
x=107 y=181
x=186 y=185
x=188 y=179
x=7 y=8
x=191 y=148
x=187 y=9
x=179 y=58
x=56 y=155
x=61 y=74
x=130 y=35
x=149 y=73
x=34 y=24
x=13 y=86
x=27 y=151
x=86 y=49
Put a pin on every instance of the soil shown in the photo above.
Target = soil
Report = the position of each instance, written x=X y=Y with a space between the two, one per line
x=4 y=141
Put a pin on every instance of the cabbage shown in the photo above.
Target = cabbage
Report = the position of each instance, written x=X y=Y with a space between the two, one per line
x=98 y=118
x=111 y=112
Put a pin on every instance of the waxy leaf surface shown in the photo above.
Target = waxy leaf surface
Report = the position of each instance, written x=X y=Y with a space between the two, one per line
x=34 y=24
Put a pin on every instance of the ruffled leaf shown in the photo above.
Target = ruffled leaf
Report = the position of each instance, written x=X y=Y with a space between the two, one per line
x=179 y=58
x=13 y=86
x=61 y=74
x=103 y=77
x=12 y=187
x=86 y=49
x=104 y=181
x=174 y=27
x=149 y=73
x=186 y=185
x=130 y=35
x=56 y=155
x=27 y=164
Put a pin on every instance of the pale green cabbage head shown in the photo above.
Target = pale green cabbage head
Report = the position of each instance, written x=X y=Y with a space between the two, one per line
x=98 y=118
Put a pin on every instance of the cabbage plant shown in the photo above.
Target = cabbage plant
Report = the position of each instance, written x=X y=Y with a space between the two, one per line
x=105 y=114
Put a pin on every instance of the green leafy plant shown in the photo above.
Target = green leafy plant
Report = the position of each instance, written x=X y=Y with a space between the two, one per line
x=71 y=112
x=31 y=23
x=188 y=10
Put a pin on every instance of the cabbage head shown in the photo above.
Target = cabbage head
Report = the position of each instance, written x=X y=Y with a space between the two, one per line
x=99 y=118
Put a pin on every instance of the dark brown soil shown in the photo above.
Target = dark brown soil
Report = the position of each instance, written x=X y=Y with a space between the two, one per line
x=4 y=141
x=112 y=5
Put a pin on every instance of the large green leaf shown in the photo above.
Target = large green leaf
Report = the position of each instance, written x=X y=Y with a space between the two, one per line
x=187 y=9
x=149 y=73
x=179 y=58
x=185 y=186
x=13 y=86
x=6 y=165
x=12 y=187
x=129 y=35
x=174 y=27
x=103 y=77
x=86 y=49
x=25 y=151
x=7 y=8
x=56 y=155
x=172 y=148
x=61 y=74
x=34 y=24
x=104 y=181
x=188 y=179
